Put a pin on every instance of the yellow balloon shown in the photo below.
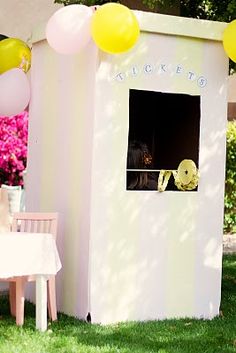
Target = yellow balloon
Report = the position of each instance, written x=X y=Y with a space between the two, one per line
x=14 y=53
x=229 y=40
x=115 y=28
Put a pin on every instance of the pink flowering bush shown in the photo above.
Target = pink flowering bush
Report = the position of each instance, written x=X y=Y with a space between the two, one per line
x=13 y=148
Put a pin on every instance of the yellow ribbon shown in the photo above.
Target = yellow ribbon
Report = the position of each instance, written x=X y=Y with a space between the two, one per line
x=186 y=176
x=163 y=179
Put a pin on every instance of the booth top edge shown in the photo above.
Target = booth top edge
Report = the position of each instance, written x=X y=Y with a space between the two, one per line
x=164 y=24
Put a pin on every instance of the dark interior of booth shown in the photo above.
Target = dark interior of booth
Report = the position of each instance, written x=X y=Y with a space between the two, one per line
x=169 y=124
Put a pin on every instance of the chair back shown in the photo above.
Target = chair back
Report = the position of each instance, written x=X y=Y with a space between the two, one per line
x=33 y=222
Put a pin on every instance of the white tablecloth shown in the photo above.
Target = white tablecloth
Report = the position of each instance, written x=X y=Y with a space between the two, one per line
x=24 y=254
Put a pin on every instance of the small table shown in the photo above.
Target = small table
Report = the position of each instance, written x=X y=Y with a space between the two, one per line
x=26 y=254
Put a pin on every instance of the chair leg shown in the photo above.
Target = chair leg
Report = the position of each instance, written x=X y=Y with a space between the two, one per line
x=12 y=298
x=52 y=305
x=20 y=301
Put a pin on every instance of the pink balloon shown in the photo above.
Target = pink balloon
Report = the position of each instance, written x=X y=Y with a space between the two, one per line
x=68 y=30
x=14 y=92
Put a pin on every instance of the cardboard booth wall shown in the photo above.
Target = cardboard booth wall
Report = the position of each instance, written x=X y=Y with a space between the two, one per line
x=132 y=255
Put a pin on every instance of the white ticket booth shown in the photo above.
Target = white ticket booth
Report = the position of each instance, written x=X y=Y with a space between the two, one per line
x=133 y=253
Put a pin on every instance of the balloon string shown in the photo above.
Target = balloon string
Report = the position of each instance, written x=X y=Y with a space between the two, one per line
x=24 y=65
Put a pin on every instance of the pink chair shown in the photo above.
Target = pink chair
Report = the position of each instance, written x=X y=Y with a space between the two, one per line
x=33 y=223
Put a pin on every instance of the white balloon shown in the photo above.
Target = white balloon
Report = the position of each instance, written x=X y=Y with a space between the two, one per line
x=68 y=30
x=14 y=92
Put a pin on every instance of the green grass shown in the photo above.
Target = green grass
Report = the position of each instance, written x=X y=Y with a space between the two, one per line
x=69 y=335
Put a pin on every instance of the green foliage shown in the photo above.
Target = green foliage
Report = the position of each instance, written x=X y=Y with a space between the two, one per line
x=224 y=10
x=84 y=2
x=152 y=4
x=230 y=185
x=218 y=10
x=161 y=4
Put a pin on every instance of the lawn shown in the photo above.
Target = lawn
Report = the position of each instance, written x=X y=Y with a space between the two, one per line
x=70 y=335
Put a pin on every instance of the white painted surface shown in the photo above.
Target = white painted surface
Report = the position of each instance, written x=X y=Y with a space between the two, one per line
x=155 y=255
x=18 y=18
x=59 y=160
x=180 y=26
x=41 y=303
x=127 y=256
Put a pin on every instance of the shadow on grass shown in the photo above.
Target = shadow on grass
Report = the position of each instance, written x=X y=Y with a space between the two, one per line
x=185 y=335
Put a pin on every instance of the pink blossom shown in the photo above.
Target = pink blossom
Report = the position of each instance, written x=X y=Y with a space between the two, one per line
x=13 y=148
